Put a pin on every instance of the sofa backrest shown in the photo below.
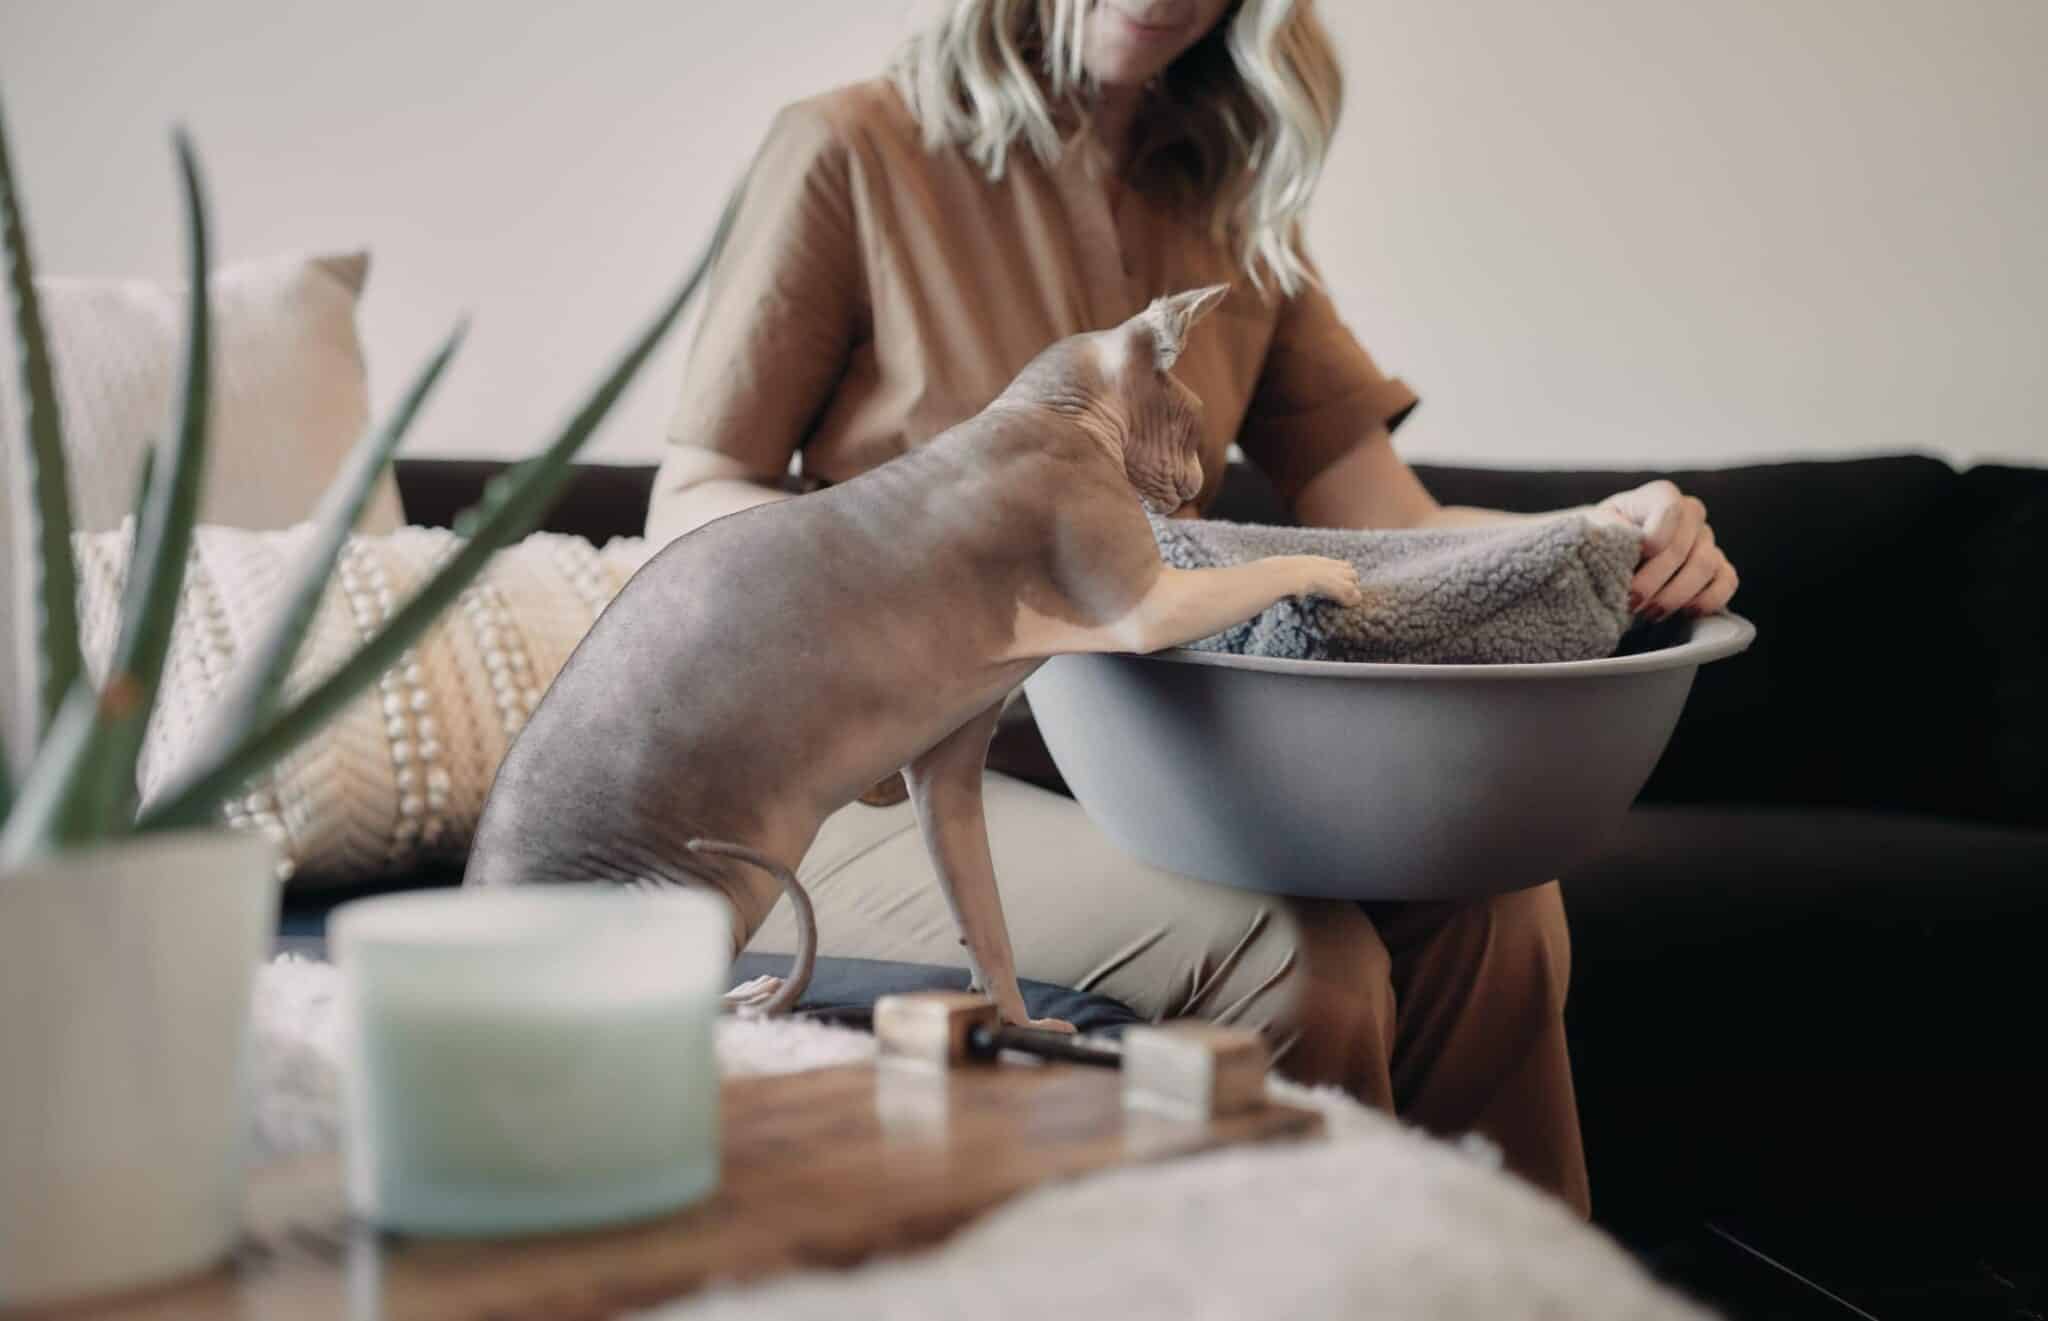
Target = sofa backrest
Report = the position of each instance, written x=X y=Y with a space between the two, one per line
x=1899 y=650
x=601 y=500
x=1901 y=659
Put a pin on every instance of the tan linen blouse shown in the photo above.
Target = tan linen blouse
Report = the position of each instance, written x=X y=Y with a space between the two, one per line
x=873 y=294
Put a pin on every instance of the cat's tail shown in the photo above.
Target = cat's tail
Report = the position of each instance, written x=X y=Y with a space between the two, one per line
x=799 y=978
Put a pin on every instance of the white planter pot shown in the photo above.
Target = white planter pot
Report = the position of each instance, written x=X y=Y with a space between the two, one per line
x=125 y=975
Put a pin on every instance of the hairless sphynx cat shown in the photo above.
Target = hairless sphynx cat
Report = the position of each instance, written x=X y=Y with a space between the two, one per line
x=759 y=673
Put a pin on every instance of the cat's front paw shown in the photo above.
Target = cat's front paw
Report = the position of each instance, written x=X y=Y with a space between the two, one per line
x=1326 y=579
x=750 y=999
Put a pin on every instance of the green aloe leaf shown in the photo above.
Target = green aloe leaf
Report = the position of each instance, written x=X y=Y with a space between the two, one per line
x=143 y=479
x=511 y=506
x=55 y=576
x=251 y=694
x=34 y=824
x=82 y=785
x=163 y=534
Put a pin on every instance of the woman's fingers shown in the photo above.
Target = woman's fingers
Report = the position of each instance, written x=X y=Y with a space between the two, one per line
x=1692 y=578
x=1719 y=592
x=1682 y=567
x=1668 y=541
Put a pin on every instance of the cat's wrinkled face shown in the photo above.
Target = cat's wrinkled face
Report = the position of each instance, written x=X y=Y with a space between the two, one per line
x=1120 y=382
x=1162 y=417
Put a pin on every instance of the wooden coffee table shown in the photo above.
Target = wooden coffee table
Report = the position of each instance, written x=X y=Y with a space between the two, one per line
x=821 y=1169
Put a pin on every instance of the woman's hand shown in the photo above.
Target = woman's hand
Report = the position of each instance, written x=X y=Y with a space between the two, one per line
x=1681 y=568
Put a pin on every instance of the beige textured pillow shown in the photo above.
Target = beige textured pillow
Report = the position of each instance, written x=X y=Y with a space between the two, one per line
x=290 y=398
x=399 y=778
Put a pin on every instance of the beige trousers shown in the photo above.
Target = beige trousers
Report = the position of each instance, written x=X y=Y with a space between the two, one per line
x=1450 y=1015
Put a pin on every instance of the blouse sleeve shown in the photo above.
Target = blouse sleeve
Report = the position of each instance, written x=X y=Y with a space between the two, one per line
x=1317 y=394
x=786 y=301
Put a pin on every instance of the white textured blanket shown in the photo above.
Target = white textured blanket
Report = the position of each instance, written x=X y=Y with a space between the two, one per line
x=1550 y=589
x=1373 y=1221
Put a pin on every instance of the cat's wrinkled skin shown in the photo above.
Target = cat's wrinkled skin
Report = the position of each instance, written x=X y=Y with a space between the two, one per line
x=762 y=671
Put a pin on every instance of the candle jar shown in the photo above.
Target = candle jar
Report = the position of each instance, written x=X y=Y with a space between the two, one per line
x=531 y=1059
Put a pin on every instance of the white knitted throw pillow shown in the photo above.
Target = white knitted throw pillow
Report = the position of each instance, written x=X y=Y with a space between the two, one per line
x=398 y=779
x=290 y=397
x=290 y=393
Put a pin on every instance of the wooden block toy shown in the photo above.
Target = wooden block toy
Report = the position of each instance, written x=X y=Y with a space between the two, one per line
x=1189 y=1069
x=1194 y=1069
x=932 y=1028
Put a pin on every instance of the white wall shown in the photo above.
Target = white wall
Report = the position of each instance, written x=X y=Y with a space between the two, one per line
x=1602 y=232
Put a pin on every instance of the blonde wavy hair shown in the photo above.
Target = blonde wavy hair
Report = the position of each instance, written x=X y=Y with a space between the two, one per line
x=1236 y=129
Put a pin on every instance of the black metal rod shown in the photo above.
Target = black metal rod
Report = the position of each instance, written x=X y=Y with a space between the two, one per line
x=986 y=1042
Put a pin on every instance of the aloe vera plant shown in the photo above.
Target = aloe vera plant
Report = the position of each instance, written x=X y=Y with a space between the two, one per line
x=80 y=786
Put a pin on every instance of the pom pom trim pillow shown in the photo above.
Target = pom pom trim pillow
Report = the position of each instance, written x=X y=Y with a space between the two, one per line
x=397 y=780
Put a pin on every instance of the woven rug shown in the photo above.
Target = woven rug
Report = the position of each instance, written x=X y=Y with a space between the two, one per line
x=1372 y=1220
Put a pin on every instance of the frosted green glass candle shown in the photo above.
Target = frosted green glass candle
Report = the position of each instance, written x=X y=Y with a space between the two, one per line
x=527 y=1060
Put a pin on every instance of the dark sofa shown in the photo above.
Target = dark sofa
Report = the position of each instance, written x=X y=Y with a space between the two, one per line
x=1808 y=969
x=1807 y=973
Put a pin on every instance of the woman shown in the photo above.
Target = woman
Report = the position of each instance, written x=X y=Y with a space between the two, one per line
x=1032 y=169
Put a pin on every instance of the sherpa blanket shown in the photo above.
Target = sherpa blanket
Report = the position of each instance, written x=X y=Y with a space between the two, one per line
x=1549 y=589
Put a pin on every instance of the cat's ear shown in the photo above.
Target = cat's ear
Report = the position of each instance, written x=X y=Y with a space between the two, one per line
x=1172 y=317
